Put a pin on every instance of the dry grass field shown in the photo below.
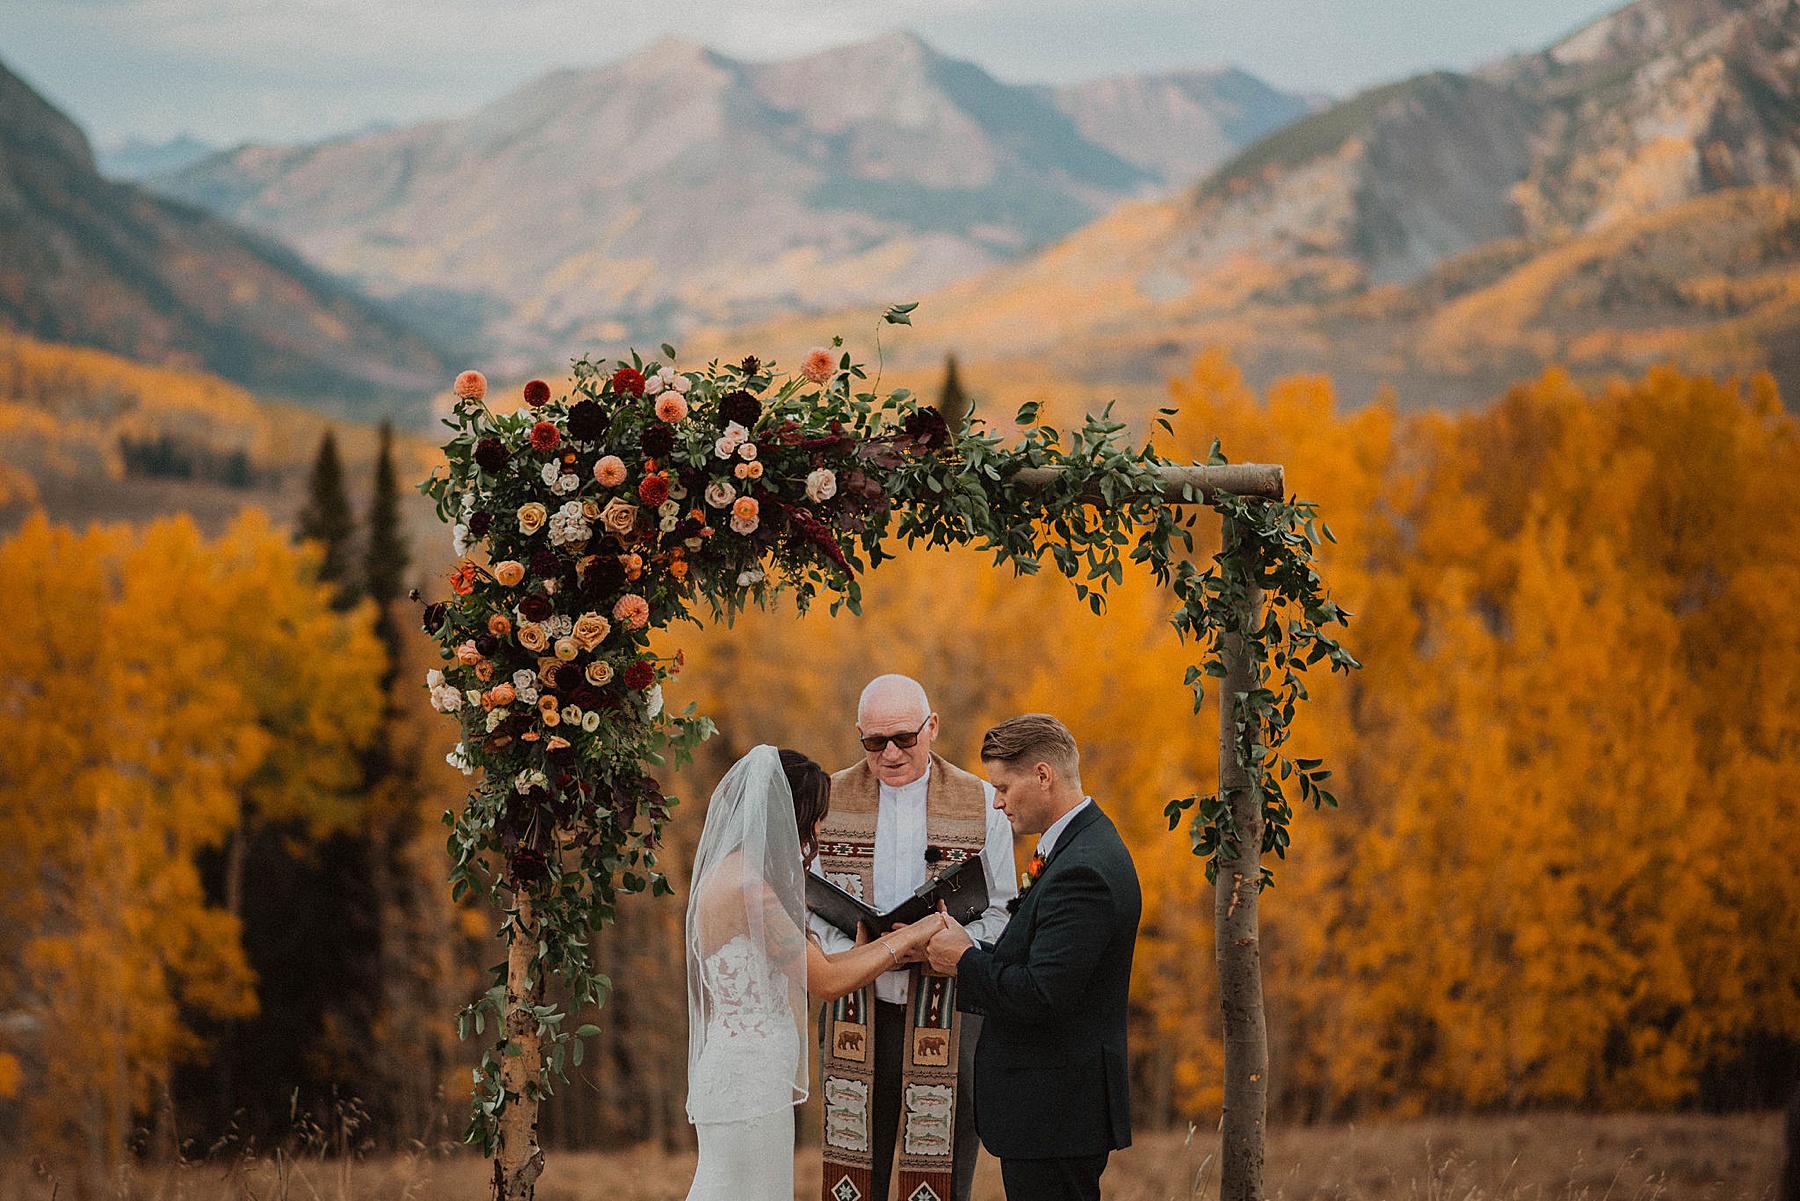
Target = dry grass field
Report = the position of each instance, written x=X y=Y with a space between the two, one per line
x=1541 y=1157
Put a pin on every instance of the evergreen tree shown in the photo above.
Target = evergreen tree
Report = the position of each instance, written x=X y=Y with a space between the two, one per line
x=953 y=402
x=385 y=554
x=326 y=519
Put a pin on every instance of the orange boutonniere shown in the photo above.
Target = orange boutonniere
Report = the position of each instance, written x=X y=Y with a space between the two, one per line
x=1027 y=878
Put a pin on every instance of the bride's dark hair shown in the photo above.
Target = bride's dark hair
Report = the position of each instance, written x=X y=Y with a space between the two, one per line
x=811 y=787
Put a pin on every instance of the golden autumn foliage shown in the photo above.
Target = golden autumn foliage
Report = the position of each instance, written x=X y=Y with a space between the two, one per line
x=1562 y=873
x=155 y=684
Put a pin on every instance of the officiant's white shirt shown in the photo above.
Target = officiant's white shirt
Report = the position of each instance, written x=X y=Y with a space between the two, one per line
x=900 y=869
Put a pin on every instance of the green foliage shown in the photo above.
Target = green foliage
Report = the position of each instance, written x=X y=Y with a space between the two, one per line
x=327 y=520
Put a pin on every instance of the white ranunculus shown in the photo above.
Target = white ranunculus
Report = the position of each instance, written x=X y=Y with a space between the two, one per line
x=653 y=701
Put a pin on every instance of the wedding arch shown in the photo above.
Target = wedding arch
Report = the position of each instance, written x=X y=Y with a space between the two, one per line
x=652 y=493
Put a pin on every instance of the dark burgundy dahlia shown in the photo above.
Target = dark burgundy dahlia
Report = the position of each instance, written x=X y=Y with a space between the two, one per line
x=741 y=407
x=491 y=455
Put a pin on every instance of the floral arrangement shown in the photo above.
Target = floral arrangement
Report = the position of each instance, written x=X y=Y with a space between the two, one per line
x=583 y=524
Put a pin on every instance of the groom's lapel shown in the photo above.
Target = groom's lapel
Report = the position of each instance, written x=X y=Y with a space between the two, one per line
x=1080 y=822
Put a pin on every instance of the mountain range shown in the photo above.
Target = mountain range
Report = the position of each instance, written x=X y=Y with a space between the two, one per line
x=677 y=187
x=88 y=261
x=1624 y=196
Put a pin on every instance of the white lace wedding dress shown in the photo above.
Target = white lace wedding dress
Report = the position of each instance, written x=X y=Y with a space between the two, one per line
x=741 y=1091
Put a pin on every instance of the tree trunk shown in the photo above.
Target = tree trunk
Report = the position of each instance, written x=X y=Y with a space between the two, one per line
x=1236 y=941
x=520 y=1160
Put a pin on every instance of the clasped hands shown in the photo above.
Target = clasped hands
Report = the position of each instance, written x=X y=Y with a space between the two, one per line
x=936 y=939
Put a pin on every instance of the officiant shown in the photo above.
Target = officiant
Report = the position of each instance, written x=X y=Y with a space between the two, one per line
x=897 y=1067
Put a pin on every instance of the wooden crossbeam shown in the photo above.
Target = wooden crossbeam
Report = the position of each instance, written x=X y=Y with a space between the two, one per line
x=1241 y=479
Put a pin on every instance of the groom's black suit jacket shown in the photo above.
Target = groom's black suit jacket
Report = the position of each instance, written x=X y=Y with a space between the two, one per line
x=1051 y=1067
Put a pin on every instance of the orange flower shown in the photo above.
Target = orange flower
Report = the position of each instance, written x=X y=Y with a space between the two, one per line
x=817 y=365
x=679 y=569
x=462 y=580
x=610 y=471
x=671 y=408
x=499 y=625
x=509 y=572
x=484 y=670
x=503 y=694
x=470 y=385
x=632 y=611
x=633 y=565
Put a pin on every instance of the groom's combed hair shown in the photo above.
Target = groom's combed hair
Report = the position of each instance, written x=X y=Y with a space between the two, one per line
x=1033 y=738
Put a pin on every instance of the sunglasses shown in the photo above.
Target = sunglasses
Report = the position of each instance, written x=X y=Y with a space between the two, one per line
x=874 y=743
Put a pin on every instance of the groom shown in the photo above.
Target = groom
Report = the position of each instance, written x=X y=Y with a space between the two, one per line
x=1050 y=1073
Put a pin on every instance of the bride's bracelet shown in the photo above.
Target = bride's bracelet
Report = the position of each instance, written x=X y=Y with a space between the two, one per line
x=888 y=947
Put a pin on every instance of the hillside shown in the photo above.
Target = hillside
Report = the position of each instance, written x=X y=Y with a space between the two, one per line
x=109 y=265
x=1625 y=196
x=89 y=436
x=681 y=187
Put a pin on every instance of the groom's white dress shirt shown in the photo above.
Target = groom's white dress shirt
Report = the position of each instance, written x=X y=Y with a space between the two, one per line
x=900 y=869
x=1047 y=840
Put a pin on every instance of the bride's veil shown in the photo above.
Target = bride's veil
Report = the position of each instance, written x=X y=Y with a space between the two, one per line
x=749 y=881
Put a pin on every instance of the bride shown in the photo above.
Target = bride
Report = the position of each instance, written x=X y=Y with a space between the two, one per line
x=750 y=966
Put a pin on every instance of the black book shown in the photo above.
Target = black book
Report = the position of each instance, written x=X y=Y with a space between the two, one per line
x=963 y=889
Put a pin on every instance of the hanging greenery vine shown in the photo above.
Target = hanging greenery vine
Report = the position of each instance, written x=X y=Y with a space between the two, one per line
x=654 y=493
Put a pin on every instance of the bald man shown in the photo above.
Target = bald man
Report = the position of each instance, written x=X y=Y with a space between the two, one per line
x=901 y=814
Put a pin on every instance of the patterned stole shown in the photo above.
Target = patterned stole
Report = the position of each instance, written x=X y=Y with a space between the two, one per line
x=956 y=827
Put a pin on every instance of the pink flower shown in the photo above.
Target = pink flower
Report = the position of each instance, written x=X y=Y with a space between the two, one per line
x=610 y=471
x=821 y=485
x=470 y=385
x=632 y=611
x=817 y=365
x=670 y=407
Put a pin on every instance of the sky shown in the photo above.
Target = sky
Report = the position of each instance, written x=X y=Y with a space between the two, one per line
x=230 y=71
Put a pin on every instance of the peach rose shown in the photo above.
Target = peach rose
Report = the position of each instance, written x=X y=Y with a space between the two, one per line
x=470 y=385
x=619 y=517
x=632 y=611
x=467 y=655
x=610 y=471
x=671 y=408
x=510 y=572
x=599 y=673
x=503 y=694
x=590 y=509
x=532 y=517
x=533 y=636
x=499 y=625
x=590 y=631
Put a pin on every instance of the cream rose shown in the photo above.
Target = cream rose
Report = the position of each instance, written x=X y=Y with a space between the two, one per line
x=532 y=517
x=590 y=631
x=821 y=485
x=599 y=673
x=720 y=494
x=619 y=517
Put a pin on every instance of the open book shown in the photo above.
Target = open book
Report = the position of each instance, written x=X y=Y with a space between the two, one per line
x=963 y=889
